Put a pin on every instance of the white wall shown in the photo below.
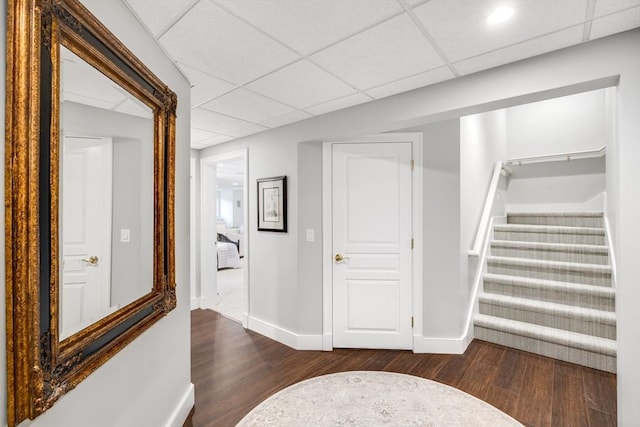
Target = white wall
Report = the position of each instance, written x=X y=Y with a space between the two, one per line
x=560 y=125
x=483 y=142
x=238 y=208
x=154 y=370
x=224 y=199
x=277 y=290
x=574 y=186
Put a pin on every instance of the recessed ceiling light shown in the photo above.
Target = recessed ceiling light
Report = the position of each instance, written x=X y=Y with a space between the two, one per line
x=235 y=183
x=500 y=15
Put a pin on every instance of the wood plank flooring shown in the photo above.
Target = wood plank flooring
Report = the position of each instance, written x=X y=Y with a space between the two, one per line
x=234 y=370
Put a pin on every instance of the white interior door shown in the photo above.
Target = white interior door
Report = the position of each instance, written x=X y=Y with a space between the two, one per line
x=86 y=186
x=371 y=238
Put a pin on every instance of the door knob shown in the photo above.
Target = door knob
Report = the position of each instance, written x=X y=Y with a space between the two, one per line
x=340 y=258
x=92 y=260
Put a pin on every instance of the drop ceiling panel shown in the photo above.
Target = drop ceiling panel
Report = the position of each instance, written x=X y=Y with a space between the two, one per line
x=247 y=105
x=461 y=30
x=198 y=135
x=386 y=52
x=309 y=25
x=208 y=38
x=218 y=123
x=301 y=84
x=339 y=104
x=520 y=51
x=419 y=80
x=204 y=86
x=605 y=7
x=615 y=23
x=212 y=141
x=286 y=118
x=159 y=15
x=414 y=3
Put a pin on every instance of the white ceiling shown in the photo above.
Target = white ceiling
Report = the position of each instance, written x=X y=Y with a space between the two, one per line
x=83 y=84
x=260 y=64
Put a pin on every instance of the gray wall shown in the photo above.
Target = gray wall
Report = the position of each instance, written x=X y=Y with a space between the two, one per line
x=443 y=308
x=276 y=288
x=132 y=262
x=155 y=368
x=310 y=256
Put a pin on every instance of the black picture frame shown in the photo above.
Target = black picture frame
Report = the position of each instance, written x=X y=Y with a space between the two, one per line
x=272 y=204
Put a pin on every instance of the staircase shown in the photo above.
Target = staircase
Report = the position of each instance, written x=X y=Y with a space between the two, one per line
x=548 y=290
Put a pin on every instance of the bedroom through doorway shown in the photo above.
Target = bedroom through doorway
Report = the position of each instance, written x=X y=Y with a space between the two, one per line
x=231 y=239
x=223 y=242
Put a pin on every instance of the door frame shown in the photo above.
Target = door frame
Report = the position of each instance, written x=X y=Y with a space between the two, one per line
x=208 y=232
x=415 y=138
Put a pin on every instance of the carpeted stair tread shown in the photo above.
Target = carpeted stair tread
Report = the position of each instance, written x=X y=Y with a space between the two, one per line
x=588 y=314
x=549 y=229
x=540 y=264
x=561 y=214
x=558 y=247
x=543 y=333
x=593 y=290
x=574 y=219
x=567 y=252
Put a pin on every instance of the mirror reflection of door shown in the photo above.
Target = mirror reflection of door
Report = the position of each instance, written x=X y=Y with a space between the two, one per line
x=86 y=189
x=106 y=196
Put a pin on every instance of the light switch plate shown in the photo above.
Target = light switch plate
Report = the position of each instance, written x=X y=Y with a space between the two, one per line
x=125 y=235
x=311 y=236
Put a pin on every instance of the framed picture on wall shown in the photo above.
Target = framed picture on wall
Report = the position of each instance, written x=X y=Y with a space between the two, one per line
x=272 y=204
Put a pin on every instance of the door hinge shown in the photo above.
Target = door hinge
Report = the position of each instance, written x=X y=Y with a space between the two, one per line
x=412 y=243
x=413 y=165
x=411 y=322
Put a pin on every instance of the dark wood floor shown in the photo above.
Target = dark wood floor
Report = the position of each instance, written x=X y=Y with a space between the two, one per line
x=233 y=370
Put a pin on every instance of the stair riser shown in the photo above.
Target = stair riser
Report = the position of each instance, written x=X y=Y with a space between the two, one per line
x=564 y=221
x=587 y=278
x=549 y=295
x=573 y=324
x=547 y=255
x=575 y=239
x=587 y=358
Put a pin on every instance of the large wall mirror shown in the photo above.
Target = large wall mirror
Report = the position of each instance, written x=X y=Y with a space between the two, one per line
x=89 y=195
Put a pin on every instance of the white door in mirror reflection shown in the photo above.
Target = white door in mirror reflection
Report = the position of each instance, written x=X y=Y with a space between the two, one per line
x=86 y=188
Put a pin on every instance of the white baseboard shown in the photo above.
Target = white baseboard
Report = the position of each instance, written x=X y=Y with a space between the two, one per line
x=327 y=341
x=291 y=339
x=207 y=303
x=181 y=412
x=442 y=345
x=196 y=302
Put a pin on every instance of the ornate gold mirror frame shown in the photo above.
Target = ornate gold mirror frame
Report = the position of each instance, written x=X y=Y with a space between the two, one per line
x=41 y=367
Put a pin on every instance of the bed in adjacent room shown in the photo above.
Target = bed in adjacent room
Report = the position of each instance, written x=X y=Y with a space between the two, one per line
x=228 y=252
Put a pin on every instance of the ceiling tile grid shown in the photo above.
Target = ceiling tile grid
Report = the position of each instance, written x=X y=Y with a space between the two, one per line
x=301 y=85
x=259 y=64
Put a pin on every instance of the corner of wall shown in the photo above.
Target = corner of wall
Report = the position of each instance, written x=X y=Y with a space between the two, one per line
x=284 y=336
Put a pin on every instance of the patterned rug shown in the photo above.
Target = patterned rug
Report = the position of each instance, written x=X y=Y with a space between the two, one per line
x=367 y=399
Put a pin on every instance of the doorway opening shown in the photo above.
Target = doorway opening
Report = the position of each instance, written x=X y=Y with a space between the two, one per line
x=224 y=242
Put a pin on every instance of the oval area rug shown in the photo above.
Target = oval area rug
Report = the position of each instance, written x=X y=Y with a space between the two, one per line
x=367 y=398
